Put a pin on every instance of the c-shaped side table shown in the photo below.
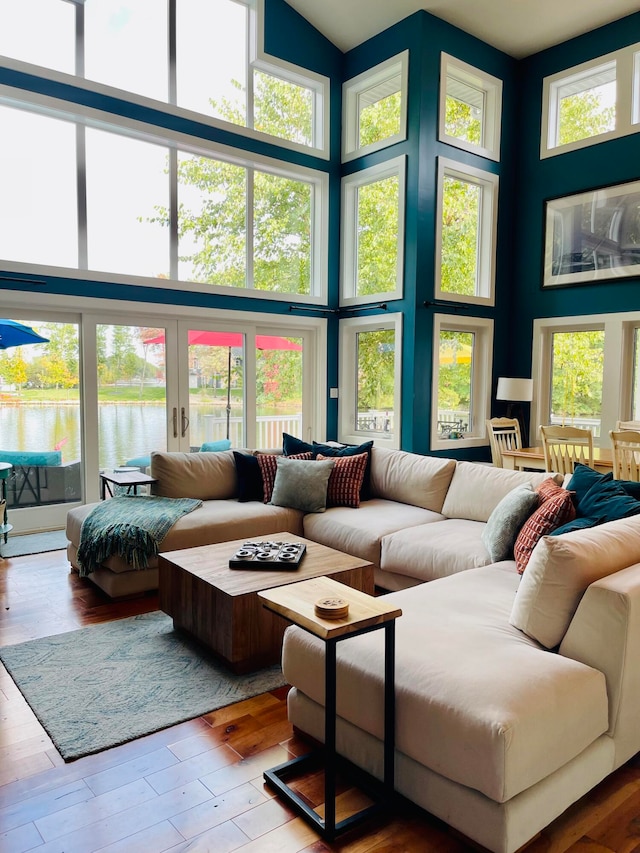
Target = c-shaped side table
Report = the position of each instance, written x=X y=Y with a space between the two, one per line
x=5 y=473
x=296 y=603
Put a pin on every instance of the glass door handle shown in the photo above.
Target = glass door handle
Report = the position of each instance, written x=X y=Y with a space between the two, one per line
x=175 y=422
x=185 y=422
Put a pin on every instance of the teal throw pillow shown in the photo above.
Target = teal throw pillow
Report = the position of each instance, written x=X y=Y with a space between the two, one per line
x=302 y=484
x=578 y=523
x=607 y=501
x=215 y=446
x=582 y=479
x=506 y=521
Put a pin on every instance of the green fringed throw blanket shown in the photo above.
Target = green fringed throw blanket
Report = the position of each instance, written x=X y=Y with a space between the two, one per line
x=131 y=526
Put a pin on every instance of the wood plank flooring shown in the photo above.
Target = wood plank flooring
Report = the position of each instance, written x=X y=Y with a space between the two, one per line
x=198 y=786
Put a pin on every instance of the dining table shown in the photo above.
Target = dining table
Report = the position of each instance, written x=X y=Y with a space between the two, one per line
x=533 y=458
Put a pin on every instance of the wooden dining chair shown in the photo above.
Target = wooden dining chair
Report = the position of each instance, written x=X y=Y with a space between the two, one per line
x=504 y=434
x=625 y=446
x=564 y=446
x=632 y=425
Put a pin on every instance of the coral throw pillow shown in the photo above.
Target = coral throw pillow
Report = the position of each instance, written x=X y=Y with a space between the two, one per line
x=346 y=479
x=556 y=508
x=268 y=463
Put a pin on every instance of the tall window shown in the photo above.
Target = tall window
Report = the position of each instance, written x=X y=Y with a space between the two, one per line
x=205 y=57
x=591 y=102
x=466 y=233
x=375 y=108
x=370 y=373
x=576 y=379
x=461 y=380
x=373 y=232
x=470 y=108
x=113 y=203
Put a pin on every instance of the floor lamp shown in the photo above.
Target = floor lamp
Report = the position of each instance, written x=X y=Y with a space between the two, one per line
x=516 y=392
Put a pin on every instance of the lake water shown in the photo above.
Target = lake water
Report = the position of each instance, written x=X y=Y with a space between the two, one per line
x=125 y=430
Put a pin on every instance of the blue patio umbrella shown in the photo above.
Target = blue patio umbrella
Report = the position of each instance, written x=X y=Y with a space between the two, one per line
x=14 y=334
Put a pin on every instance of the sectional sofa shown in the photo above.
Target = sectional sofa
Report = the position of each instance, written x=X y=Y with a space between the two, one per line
x=393 y=528
x=515 y=693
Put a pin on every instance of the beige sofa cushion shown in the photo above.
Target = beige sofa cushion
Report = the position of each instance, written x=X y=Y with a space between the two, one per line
x=358 y=531
x=410 y=478
x=476 y=490
x=207 y=476
x=562 y=567
x=476 y=700
x=429 y=551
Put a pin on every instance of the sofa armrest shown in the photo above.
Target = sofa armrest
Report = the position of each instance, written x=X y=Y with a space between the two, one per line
x=605 y=634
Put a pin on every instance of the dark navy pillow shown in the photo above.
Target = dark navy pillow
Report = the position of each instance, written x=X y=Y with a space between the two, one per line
x=578 y=523
x=582 y=480
x=607 y=501
x=291 y=445
x=250 y=487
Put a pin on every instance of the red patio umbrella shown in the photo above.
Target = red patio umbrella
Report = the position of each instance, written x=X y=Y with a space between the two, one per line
x=229 y=340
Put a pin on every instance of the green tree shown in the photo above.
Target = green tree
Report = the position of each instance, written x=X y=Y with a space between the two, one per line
x=577 y=374
x=583 y=115
x=380 y=120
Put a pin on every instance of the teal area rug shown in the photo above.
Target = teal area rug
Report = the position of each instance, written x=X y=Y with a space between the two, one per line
x=101 y=686
x=33 y=543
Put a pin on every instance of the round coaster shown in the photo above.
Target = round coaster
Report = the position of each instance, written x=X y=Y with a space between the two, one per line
x=331 y=608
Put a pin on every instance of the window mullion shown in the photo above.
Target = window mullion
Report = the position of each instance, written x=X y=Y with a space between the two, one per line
x=172 y=48
x=250 y=196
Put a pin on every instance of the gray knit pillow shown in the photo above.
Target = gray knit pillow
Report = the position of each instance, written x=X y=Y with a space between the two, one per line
x=302 y=484
x=504 y=523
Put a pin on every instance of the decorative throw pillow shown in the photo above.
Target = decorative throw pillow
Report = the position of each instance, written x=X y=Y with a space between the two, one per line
x=268 y=463
x=346 y=480
x=582 y=479
x=301 y=484
x=562 y=568
x=249 y=476
x=578 y=523
x=556 y=508
x=292 y=446
x=506 y=520
x=216 y=446
x=607 y=501
x=350 y=450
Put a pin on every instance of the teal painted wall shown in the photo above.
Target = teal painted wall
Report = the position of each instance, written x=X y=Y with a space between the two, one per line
x=612 y=162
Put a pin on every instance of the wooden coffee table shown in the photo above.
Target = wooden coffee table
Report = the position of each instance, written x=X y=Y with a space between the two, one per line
x=219 y=606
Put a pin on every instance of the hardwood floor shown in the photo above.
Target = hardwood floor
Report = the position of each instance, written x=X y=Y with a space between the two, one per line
x=198 y=786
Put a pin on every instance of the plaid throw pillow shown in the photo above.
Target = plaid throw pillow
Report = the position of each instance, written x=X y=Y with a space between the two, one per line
x=556 y=508
x=346 y=479
x=269 y=467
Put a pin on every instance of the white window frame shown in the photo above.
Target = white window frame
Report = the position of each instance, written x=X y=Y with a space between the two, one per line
x=617 y=375
x=627 y=65
x=90 y=117
x=348 y=383
x=319 y=84
x=349 y=253
x=352 y=90
x=482 y=328
x=491 y=87
x=487 y=234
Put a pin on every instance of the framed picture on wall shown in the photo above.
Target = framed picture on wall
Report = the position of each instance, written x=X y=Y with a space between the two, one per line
x=592 y=236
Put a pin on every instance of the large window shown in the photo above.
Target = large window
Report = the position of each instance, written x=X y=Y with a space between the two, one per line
x=370 y=379
x=585 y=372
x=374 y=108
x=202 y=57
x=591 y=102
x=114 y=202
x=470 y=108
x=461 y=381
x=373 y=233
x=466 y=233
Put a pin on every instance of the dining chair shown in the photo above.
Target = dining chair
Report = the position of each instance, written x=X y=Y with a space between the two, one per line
x=632 y=425
x=504 y=434
x=625 y=445
x=564 y=446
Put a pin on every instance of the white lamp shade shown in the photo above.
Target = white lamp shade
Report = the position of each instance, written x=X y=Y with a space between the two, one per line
x=520 y=390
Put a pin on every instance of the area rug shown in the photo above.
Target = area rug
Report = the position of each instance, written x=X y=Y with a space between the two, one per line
x=33 y=543
x=101 y=686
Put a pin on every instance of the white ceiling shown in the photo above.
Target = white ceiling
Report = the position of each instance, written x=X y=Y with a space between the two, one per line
x=517 y=27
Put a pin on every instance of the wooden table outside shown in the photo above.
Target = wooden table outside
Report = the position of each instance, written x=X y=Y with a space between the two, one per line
x=296 y=603
x=130 y=479
x=220 y=607
x=533 y=457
